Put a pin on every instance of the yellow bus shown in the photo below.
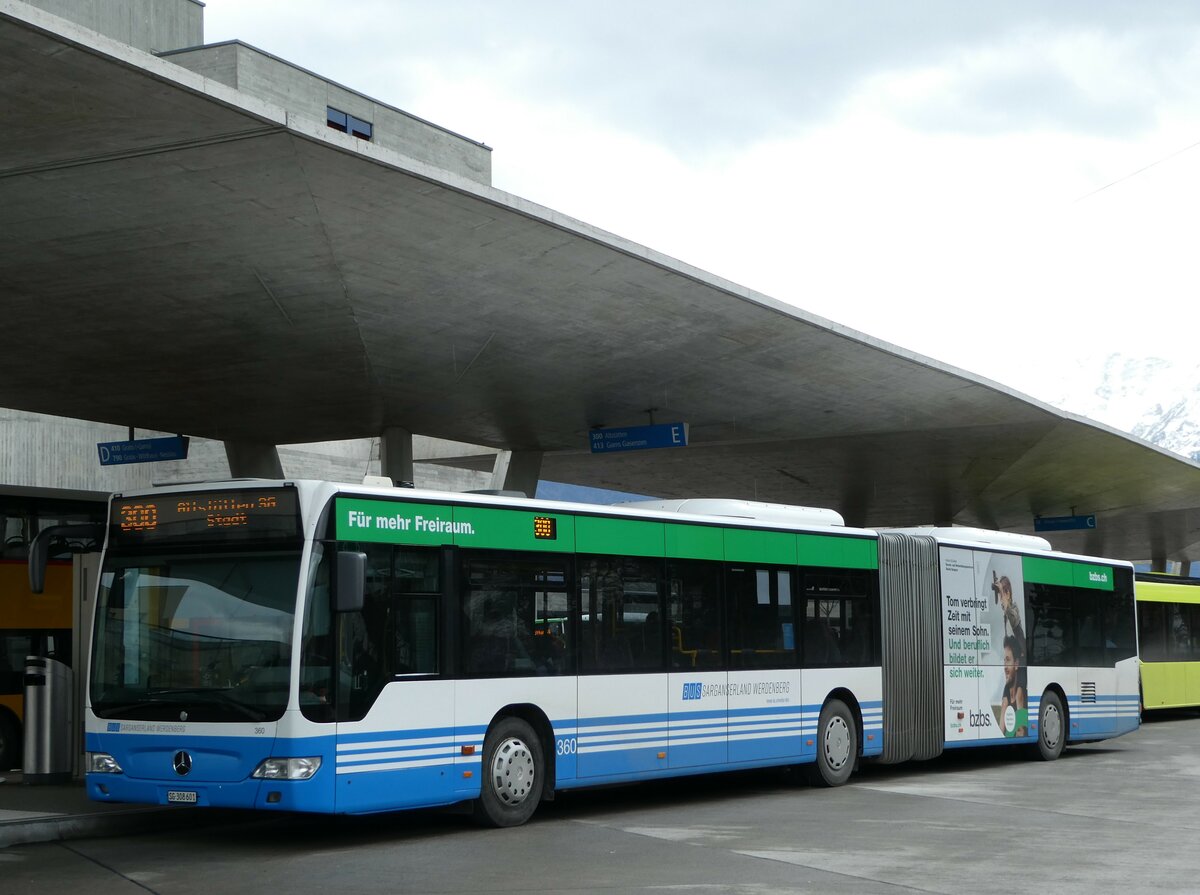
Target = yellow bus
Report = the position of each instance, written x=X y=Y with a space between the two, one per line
x=29 y=624
x=1169 y=640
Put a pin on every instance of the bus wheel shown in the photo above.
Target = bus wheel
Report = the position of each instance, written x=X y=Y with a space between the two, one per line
x=837 y=745
x=1052 y=727
x=513 y=774
x=10 y=743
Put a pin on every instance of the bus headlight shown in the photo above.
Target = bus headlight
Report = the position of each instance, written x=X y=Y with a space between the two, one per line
x=287 y=768
x=102 y=763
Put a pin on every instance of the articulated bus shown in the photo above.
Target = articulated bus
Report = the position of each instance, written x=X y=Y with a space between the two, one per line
x=1169 y=636
x=335 y=648
x=32 y=624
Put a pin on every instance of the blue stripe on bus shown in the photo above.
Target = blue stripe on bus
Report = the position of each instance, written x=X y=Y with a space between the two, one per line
x=384 y=770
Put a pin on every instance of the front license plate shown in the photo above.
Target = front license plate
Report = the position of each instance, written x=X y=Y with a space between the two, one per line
x=176 y=795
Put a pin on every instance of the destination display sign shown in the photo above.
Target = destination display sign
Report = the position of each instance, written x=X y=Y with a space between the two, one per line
x=271 y=514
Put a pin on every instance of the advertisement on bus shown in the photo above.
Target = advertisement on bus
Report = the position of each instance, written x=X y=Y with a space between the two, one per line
x=983 y=607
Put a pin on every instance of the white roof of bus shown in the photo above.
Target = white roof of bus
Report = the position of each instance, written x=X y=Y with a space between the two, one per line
x=1030 y=545
x=710 y=511
x=736 y=513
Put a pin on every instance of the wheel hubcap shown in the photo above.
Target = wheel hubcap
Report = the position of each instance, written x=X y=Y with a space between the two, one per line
x=837 y=743
x=512 y=771
x=1052 y=726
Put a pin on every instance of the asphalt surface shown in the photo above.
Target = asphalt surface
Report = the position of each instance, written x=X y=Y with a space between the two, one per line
x=1118 y=816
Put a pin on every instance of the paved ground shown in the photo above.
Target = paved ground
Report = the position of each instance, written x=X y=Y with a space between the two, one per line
x=1112 y=817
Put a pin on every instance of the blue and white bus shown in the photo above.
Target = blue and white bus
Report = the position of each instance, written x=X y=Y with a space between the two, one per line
x=320 y=647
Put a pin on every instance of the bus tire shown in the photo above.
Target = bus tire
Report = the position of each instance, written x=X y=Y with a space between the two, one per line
x=10 y=742
x=1052 y=727
x=837 y=745
x=513 y=774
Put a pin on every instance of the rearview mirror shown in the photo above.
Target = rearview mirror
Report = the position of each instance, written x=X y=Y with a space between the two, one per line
x=91 y=533
x=351 y=580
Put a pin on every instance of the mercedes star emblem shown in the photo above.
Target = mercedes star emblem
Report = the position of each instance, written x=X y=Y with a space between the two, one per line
x=182 y=762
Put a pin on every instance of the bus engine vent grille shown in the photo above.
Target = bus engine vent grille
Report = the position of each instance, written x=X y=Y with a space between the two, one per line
x=1087 y=691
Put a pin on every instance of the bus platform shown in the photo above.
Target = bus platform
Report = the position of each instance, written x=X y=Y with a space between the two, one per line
x=54 y=812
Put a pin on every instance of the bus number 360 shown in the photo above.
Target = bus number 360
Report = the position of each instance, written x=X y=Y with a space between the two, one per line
x=565 y=745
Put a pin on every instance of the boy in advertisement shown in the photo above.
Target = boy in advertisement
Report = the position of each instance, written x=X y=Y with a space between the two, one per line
x=1014 y=700
x=1012 y=713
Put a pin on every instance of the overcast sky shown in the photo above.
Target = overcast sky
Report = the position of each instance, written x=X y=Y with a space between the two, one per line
x=1010 y=188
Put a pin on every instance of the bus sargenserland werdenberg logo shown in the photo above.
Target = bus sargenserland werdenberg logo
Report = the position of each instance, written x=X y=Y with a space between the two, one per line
x=693 y=691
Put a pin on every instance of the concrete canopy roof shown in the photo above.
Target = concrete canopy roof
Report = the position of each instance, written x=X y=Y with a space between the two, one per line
x=180 y=257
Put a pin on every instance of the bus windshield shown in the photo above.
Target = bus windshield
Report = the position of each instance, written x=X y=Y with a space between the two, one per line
x=194 y=637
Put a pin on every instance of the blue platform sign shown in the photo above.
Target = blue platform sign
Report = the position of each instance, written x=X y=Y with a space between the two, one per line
x=1063 y=523
x=639 y=438
x=147 y=450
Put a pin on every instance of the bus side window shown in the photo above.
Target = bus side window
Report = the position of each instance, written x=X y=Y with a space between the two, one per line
x=1121 y=636
x=517 y=614
x=1089 y=627
x=840 y=618
x=411 y=637
x=761 y=620
x=1051 y=625
x=1152 y=631
x=694 y=613
x=618 y=595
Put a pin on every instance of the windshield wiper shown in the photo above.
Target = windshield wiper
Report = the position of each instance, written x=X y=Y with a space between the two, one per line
x=103 y=709
x=204 y=694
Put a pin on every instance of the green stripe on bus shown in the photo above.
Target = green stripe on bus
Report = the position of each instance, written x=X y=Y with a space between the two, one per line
x=393 y=522
x=512 y=530
x=749 y=545
x=695 y=542
x=1038 y=570
x=1095 y=577
x=1046 y=571
x=401 y=522
x=840 y=553
x=622 y=537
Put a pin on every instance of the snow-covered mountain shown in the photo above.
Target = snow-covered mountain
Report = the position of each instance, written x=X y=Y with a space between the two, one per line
x=1149 y=397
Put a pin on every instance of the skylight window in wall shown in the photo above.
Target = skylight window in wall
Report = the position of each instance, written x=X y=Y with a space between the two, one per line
x=348 y=124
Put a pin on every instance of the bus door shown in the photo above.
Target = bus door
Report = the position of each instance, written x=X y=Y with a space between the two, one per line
x=517 y=625
x=622 y=689
x=1096 y=711
x=764 y=680
x=395 y=732
x=698 y=686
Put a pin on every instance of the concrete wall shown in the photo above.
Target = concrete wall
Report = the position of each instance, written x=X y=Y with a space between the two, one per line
x=43 y=451
x=303 y=93
x=150 y=25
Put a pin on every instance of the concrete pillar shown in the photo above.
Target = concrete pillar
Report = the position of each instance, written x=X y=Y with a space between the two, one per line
x=251 y=460
x=517 y=471
x=396 y=455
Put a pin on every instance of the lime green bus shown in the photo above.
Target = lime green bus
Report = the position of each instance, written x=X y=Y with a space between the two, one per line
x=1168 y=609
